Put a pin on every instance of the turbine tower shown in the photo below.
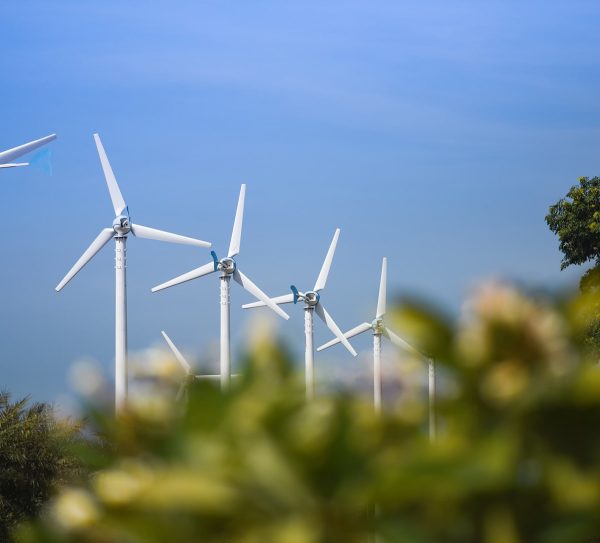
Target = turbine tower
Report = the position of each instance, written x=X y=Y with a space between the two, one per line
x=379 y=329
x=228 y=268
x=120 y=229
x=312 y=304
x=7 y=156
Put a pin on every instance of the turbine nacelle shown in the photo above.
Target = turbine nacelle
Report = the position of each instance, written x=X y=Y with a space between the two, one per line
x=121 y=225
x=310 y=298
x=377 y=326
x=227 y=266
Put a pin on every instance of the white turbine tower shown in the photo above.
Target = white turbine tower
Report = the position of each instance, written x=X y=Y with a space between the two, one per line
x=119 y=230
x=312 y=304
x=228 y=268
x=7 y=156
x=379 y=329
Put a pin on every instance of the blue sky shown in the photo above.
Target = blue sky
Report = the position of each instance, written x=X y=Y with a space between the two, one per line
x=435 y=133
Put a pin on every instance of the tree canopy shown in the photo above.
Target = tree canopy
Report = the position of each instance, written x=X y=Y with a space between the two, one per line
x=34 y=459
x=575 y=219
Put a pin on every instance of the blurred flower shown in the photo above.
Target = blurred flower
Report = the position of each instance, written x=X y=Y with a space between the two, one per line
x=501 y=326
x=121 y=486
x=74 y=509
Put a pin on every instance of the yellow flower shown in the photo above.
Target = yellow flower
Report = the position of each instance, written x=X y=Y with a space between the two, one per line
x=75 y=508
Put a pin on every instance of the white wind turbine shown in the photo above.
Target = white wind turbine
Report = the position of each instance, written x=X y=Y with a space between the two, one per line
x=312 y=304
x=379 y=329
x=7 y=156
x=190 y=375
x=119 y=230
x=228 y=268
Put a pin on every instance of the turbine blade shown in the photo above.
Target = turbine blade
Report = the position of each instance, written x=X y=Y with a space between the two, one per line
x=399 y=342
x=181 y=391
x=236 y=234
x=350 y=333
x=16 y=152
x=113 y=188
x=42 y=160
x=330 y=323
x=322 y=279
x=180 y=358
x=194 y=274
x=213 y=377
x=101 y=240
x=248 y=285
x=382 y=290
x=285 y=299
x=160 y=235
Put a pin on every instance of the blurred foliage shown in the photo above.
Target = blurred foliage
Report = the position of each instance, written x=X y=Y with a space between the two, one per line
x=35 y=457
x=517 y=458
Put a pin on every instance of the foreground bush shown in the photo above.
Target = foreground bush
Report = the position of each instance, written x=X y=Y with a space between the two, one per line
x=517 y=458
x=35 y=459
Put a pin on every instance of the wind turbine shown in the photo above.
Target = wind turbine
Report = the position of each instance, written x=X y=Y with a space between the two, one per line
x=228 y=268
x=120 y=229
x=379 y=329
x=312 y=304
x=7 y=156
x=190 y=375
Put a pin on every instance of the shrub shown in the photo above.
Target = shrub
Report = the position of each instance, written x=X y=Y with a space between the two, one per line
x=517 y=458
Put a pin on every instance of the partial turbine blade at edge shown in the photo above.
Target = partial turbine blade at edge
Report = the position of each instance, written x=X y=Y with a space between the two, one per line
x=322 y=279
x=113 y=187
x=382 y=290
x=194 y=274
x=399 y=342
x=248 y=285
x=180 y=358
x=101 y=240
x=236 y=234
x=160 y=235
x=285 y=299
x=16 y=152
x=350 y=333
x=330 y=323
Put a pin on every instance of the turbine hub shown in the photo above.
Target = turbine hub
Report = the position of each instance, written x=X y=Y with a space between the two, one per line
x=377 y=326
x=121 y=225
x=311 y=298
x=227 y=265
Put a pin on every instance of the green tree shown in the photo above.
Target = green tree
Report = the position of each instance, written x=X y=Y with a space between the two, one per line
x=34 y=459
x=575 y=219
